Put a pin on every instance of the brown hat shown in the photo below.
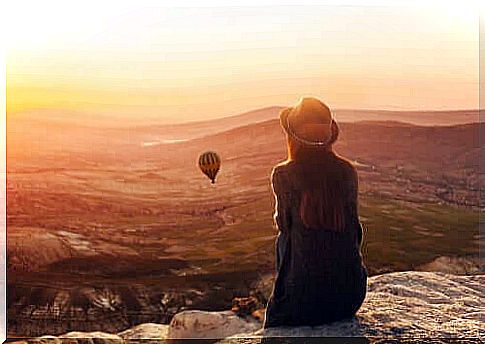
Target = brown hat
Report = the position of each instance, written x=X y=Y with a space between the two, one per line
x=309 y=122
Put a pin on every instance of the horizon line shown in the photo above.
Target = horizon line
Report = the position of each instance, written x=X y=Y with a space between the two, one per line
x=194 y=121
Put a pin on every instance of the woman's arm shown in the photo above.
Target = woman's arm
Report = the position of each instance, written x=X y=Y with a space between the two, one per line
x=282 y=214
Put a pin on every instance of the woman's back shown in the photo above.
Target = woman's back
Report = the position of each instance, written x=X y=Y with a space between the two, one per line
x=321 y=276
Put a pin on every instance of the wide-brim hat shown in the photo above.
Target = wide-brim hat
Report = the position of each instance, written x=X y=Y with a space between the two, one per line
x=309 y=122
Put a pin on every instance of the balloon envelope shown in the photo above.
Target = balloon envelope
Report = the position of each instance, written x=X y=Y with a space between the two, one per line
x=209 y=163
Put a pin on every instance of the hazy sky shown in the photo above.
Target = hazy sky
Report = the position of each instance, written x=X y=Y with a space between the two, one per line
x=142 y=61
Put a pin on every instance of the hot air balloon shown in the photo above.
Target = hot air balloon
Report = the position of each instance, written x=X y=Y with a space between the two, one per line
x=209 y=163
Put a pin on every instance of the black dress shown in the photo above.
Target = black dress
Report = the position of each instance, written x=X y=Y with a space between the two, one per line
x=321 y=276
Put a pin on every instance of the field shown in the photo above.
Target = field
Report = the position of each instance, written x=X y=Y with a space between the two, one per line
x=118 y=224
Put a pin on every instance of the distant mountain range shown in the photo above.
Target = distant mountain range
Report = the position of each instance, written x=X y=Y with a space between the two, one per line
x=207 y=127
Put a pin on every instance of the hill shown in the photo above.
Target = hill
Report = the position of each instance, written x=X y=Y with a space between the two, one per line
x=127 y=225
x=418 y=117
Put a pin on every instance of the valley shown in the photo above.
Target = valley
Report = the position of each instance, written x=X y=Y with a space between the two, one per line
x=103 y=226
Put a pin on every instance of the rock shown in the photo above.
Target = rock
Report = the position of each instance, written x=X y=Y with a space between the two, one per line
x=201 y=324
x=245 y=305
x=145 y=331
x=43 y=340
x=473 y=265
x=90 y=338
x=259 y=314
x=398 y=305
x=405 y=304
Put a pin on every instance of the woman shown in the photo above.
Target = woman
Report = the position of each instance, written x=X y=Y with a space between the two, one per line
x=321 y=276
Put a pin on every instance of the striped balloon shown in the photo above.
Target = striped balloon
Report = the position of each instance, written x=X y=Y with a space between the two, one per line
x=209 y=163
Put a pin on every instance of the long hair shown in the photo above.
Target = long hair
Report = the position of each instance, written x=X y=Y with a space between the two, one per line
x=324 y=194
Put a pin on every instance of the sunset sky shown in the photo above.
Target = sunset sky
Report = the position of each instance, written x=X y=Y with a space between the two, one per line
x=138 y=61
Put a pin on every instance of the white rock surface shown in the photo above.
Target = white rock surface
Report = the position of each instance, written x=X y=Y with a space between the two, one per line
x=407 y=304
x=146 y=331
x=81 y=337
x=201 y=324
